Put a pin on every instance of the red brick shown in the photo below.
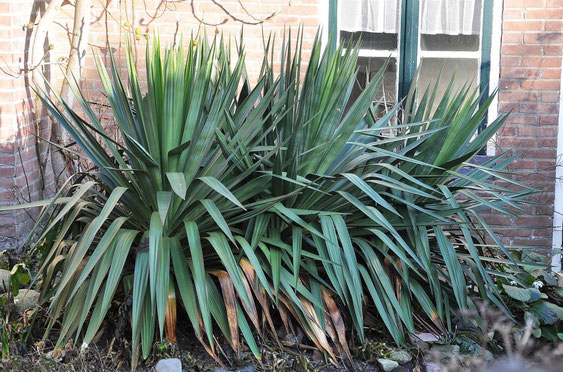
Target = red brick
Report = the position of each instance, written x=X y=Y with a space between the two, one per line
x=549 y=119
x=540 y=62
x=522 y=119
x=509 y=84
x=537 y=153
x=507 y=130
x=522 y=25
x=553 y=25
x=517 y=142
x=518 y=96
x=518 y=4
x=521 y=50
x=539 y=85
x=507 y=106
x=512 y=14
x=512 y=38
x=550 y=97
x=544 y=14
x=540 y=108
x=547 y=142
x=520 y=73
x=527 y=131
x=552 y=73
x=543 y=38
x=508 y=61
x=552 y=50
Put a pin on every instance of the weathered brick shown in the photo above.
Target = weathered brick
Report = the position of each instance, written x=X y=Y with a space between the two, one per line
x=554 y=25
x=550 y=97
x=528 y=131
x=544 y=14
x=540 y=85
x=539 y=108
x=540 y=62
x=552 y=73
x=524 y=73
x=523 y=4
x=518 y=96
x=543 y=38
x=552 y=50
x=521 y=50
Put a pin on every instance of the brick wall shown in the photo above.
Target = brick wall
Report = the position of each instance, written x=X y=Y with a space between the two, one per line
x=529 y=87
x=19 y=171
x=20 y=177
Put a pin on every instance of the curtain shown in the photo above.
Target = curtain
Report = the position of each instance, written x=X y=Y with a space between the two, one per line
x=377 y=16
x=452 y=17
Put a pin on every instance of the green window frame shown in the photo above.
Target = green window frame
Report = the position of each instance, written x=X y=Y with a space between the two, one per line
x=408 y=60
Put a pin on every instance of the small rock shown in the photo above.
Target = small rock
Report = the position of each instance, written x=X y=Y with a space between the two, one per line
x=421 y=345
x=400 y=356
x=168 y=365
x=4 y=280
x=26 y=300
x=445 y=353
x=249 y=368
x=447 y=350
x=426 y=337
x=432 y=367
x=387 y=364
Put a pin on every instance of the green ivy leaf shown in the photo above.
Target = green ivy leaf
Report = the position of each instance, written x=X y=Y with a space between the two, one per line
x=522 y=294
x=544 y=312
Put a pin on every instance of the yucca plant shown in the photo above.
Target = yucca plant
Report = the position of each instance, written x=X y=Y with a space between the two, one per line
x=237 y=197
x=382 y=208
x=169 y=185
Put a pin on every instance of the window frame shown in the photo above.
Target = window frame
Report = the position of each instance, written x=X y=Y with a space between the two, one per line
x=409 y=52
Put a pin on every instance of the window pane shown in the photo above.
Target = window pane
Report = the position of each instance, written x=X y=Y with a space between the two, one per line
x=367 y=69
x=376 y=16
x=465 y=70
x=450 y=42
x=450 y=17
x=370 y=40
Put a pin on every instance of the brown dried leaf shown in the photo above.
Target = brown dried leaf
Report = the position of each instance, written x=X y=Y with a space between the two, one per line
x=170 y=317
x=229 y=296
x=337 y=321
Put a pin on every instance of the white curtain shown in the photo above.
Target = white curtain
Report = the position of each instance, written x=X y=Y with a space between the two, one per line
x=452 y=17
x=377 y=16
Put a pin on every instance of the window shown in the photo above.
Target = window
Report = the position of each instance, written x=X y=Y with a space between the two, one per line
x=433 y=35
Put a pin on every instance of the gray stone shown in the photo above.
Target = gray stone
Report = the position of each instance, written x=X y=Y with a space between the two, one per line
x=169 y=365
x=249 y=368
x=4 y=280
x=445 y=350
x=400 y=356
x=26 y=300
x=432 y=367
x=387 y=364
x=426 y=337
